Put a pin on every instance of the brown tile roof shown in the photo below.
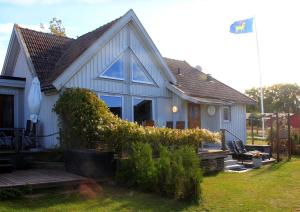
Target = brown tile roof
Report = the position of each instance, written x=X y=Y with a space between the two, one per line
x=195 y=83
x=44 y=49
x=51 y=54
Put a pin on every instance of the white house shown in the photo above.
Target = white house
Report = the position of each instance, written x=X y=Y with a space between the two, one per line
x=122 y=65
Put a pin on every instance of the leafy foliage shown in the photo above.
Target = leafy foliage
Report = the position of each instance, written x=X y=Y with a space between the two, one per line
x=82 y=118
x=279 y=98
x=13 y=193
x=123 y=133
x=86 y=121
x=174 y=173
x=56 y=27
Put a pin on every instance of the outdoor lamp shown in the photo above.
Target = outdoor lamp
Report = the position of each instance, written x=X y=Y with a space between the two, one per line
x=174 y=109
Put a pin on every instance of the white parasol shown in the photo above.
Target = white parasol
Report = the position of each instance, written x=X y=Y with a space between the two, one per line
x=34 y=99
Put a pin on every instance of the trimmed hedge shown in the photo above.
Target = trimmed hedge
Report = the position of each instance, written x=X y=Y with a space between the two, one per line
x=123 y=133
x=86 y=122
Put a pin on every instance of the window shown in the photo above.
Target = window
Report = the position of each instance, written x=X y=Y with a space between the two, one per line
x=138 y=72
x=114 y=103
x=226 y=113
x=115 y=71
x=142 y=110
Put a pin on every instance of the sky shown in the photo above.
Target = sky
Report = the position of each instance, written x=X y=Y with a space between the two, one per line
x=196 y=31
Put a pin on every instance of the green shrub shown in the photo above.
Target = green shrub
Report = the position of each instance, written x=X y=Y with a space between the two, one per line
x=176 y=174
x=123 y=133
x=82 y=117
x=13 y=193
x=186 y=174
x=86 y=122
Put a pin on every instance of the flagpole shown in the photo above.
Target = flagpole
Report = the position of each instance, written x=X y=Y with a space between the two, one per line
x=260 y=79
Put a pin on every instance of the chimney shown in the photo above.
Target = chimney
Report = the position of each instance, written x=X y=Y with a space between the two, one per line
x=209 y=78
x=178 y=71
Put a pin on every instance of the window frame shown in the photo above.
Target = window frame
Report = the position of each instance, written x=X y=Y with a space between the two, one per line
x=120 y=57
x=144 y=98
x=229 y=115
x=132 y=58
x=113 y=95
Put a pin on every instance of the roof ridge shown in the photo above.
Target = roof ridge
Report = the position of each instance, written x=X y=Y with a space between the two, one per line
x=98 y=28
x=47 y=33
x=61 y=62
x=168 y=58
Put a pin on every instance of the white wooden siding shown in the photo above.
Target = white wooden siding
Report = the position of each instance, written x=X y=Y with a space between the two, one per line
x=47 y=119
x=211 y=123
x=237 y=124
x=22 y=70
x=48 y=122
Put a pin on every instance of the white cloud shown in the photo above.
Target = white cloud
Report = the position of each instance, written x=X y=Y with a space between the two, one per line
x=94 y=1
x=29 y=2
x=6 y=28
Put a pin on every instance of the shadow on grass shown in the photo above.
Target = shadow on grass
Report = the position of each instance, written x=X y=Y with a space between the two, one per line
x=109 y=199
x=271 y=168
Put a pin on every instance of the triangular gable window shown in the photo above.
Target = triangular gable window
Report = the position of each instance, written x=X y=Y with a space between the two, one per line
x=139 y=73
x=115 y=71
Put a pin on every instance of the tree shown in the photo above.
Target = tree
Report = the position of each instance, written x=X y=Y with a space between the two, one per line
x=56 y=27
x=278 y=97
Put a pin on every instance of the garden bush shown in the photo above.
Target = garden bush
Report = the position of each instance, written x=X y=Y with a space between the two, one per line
x=82 y=117
x=86 y=122
x=174 y=173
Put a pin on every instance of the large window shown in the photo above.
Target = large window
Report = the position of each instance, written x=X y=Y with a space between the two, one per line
x=115 y=71
x=138 y=72
x=226 y=113
x=142 y=110
x=114 y=103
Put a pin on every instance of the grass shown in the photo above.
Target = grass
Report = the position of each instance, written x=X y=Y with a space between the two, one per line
x=257 y=141
x=271 y=188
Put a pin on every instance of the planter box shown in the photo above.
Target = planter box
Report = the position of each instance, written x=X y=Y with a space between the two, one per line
x=212 y=160
x=257 y=162
x=90 y=163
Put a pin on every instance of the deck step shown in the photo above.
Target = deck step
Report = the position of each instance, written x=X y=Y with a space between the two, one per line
x=230 y=162
x=6 y=168
x=5 y=160
x=234 y=167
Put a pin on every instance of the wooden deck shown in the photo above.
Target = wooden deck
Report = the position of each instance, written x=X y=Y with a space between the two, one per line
x=39 y=178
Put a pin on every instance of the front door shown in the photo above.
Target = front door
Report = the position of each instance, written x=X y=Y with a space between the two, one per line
x=194 y=115
x=6 y=111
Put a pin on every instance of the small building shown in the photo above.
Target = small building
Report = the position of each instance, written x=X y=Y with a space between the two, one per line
x=122 y=65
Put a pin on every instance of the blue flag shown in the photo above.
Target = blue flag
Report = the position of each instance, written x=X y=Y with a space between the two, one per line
x=243 y=26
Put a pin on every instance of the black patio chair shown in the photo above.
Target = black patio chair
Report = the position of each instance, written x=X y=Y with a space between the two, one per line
x=242 y=149
x=233 y=151
x=6 y=141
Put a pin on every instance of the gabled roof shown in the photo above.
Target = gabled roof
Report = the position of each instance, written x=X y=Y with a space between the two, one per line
x=44 y=49
x=194 y=83
x=51 y=54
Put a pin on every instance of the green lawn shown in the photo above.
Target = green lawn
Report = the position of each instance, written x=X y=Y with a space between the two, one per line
x=271 y=188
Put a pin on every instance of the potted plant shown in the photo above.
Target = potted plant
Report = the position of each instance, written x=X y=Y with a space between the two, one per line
x=257 y=160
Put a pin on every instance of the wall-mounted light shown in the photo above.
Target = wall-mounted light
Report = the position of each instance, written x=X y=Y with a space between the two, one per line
x=174 y=109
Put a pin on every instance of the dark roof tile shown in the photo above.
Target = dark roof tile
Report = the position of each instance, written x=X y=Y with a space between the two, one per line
x=52 y=54
x=195 y=83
